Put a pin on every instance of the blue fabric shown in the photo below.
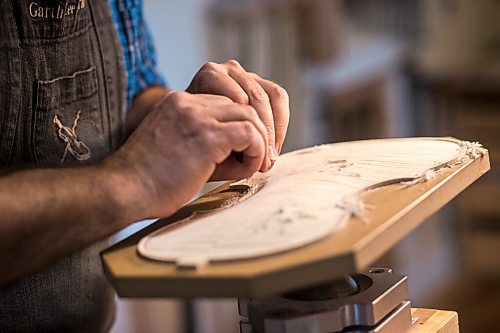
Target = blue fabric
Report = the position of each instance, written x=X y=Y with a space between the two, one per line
x=137 y=46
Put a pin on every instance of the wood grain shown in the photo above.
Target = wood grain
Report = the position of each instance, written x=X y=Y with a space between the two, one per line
x=395 y=211
x=435 y=321
x=307 y=195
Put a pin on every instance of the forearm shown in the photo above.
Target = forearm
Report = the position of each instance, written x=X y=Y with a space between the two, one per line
x=184 y=141
x=46 y=214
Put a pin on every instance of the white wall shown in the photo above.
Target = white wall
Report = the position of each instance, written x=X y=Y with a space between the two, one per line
x=177 y=26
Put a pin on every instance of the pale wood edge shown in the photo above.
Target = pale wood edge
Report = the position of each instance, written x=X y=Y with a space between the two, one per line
x=401 y=224
x=435 y=321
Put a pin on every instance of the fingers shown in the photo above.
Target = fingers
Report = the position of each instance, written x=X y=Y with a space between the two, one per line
x=281 y=109
x=245 y=113
x=237 y=112
x=232 y=81
x=214 y=79
x=187 y=139
x=228 y=111
x=244 y=137
x=257 y=98
x=211 y=100
x=269 y=99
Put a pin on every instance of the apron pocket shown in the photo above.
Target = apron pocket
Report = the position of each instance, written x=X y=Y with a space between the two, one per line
x=68 y=127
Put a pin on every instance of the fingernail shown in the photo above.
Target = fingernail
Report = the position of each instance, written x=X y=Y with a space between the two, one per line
x=278 y=149
x=272 y=153
x=272 y=157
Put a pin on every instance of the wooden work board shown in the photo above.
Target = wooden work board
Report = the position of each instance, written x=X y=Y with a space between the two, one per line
x=395 y=210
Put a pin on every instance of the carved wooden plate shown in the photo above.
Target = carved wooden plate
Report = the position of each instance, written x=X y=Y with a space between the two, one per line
x=352 y=201
x=308 y=195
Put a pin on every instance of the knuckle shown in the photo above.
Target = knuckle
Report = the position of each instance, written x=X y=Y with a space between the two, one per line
x=176 y=97
x=258 y=95
x=203 y=132
x=209 y=141
x=190 y=114
x=208 y=131
x=249 y=110
x=240 y=97
x=279 y=93
x=247 y=128
x=209 y=66
x=254 y=116
x=204 y=76
x=212 y=127
x=203 y=79
x=250 y=113
x=232 y=63
x=253 y=75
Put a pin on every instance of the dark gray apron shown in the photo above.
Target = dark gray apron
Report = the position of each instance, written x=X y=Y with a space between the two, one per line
x=62 y=100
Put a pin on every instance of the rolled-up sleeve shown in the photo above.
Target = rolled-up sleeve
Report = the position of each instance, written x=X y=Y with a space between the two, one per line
x=137 y=47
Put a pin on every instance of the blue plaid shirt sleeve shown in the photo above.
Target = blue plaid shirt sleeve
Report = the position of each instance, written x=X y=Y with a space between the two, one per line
x=137 y=46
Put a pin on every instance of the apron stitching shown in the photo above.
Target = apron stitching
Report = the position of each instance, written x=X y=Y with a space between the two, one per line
x=98 y=33
x=74 y=146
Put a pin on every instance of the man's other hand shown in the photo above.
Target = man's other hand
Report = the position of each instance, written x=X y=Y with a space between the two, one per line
x=266 y=97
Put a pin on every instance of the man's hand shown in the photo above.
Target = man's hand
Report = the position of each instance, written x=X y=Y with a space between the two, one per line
x=178 y=146
x=269 y=99
x=183 y=142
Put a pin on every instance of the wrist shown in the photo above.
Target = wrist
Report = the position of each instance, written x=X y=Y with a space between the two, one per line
x=124 y=191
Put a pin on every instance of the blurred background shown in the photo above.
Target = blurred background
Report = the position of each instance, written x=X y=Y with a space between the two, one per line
x=358 y=69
